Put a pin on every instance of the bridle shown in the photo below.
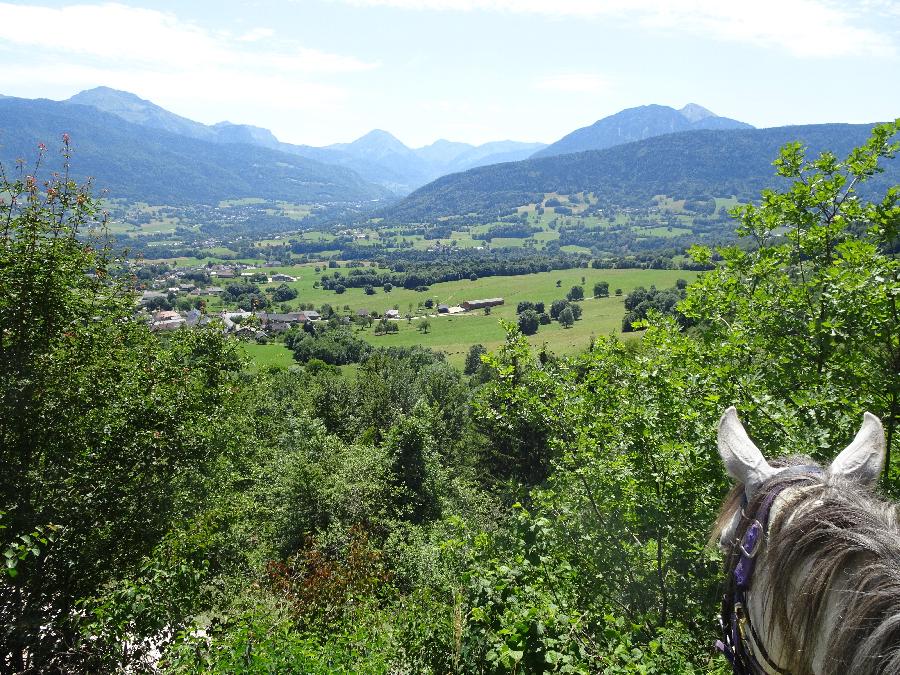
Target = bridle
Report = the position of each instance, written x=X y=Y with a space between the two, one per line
x=740 y=642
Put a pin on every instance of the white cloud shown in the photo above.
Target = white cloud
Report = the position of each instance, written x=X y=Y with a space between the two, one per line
x=256 y=35
x=146 y=37
x=199 y=73
x=579 y=83
x=804 y=28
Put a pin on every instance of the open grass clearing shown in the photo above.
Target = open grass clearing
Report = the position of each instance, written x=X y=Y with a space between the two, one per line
x=455 y=334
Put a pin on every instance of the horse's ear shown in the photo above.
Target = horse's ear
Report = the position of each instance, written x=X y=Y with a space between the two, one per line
x=743 y=460
x=863 y=459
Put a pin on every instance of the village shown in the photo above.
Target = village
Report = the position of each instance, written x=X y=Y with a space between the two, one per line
x=177 y=299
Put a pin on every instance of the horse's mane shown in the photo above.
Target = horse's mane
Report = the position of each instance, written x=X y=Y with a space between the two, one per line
x=846 y=541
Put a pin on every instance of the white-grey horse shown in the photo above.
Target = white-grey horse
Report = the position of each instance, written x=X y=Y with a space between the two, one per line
x=812 y=558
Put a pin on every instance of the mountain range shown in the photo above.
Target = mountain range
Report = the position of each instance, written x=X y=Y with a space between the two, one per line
x=138 y=151
x=378 y=157
x=142 y=163
x=691 y=164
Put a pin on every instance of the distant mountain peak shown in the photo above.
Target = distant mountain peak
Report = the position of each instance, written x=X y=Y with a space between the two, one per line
x=694 y=113
x=637 y=124
x=134 y=109
x=108 y=91
x=380 y=137
x=379 y=133
x=376 y=142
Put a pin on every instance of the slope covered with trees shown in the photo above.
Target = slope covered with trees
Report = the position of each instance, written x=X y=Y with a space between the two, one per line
x=163 y=510
x=139 y=163
x=694 y=164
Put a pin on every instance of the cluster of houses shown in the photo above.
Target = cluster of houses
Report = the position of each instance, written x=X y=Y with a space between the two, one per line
x=267 y=324
x=174 y=283
x=235 y=322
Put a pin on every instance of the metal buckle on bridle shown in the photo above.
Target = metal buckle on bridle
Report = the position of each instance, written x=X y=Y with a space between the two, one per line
x=753 y=537
x=741 y=616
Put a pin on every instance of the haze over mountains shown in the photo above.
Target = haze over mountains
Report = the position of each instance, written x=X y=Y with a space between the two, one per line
x=141 y=163
x=688 y=165
x=142 y=152
x=638 y=124
x=378 y=157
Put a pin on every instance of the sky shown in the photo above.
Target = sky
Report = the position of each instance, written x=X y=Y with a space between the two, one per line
x=325 y=71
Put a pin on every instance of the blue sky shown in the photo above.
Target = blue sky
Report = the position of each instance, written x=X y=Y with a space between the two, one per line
x=326 y=71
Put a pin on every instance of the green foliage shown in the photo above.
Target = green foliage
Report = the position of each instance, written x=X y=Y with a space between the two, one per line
x=516 y=421
x=641 y=302
x=808 y=319
x=162 y=510
x=414 y=466
x=601 y=289
x=575 y=293
x=284 y=293
x=334 y=346
x=529 y=322
x=25 y=546
x=473 y=359
x=102 y=426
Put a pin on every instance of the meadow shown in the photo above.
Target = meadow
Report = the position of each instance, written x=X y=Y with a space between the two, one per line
x=454 y=334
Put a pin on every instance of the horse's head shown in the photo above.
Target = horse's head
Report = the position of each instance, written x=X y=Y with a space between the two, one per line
x=862 y=461
x=795 y=537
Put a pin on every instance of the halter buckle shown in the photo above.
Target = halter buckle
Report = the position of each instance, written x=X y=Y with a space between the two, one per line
x=741 y=617
x=750 y=542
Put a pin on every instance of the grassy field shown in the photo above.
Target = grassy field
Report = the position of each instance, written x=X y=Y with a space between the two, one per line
x=263 y=356
x=455 y=334
x=536 y=287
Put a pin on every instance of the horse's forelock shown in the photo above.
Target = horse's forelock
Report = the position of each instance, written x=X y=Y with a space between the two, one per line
x=731 y=505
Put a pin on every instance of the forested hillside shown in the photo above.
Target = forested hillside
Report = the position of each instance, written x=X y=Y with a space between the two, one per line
x=694 y=164
x=162 y=509
x=139 y=163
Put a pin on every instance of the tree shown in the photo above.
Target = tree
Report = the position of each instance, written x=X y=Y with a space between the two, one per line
x=424 y=325
x=284 y=293
x=100 y=422
x=473 y=359
x=601 y=289
x=576 y=293
x=529 y=322
x=410 y=447
x=388 y=287
x=618 y=292
x=567 y=318
x=817 y=283
x=369 y=290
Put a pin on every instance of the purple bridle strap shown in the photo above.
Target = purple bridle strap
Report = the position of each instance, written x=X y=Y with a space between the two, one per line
x=752 y=540
x=733 y=647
